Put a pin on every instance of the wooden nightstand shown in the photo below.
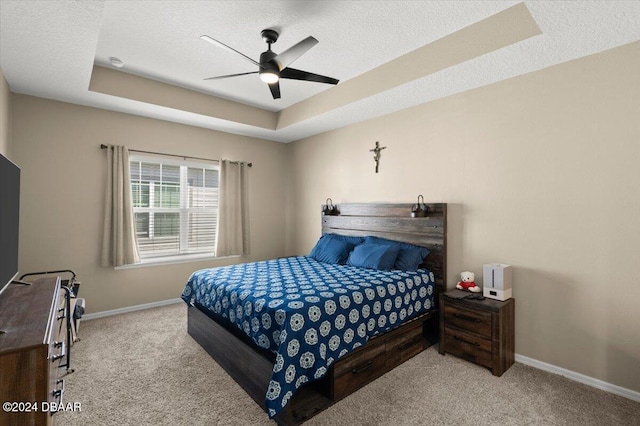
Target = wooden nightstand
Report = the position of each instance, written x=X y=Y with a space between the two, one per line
x=480 y=331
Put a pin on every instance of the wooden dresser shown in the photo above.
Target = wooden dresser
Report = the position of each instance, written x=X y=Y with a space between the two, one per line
x=32 y=349
x=480 y=331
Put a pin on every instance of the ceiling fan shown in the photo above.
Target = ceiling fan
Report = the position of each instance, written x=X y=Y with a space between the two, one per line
x=272 y=66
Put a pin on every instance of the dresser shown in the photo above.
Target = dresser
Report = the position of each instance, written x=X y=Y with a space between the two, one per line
x=32 y=351
x=480 y=331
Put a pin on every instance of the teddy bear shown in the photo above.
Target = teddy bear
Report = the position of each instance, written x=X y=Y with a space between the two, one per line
x=467 y=282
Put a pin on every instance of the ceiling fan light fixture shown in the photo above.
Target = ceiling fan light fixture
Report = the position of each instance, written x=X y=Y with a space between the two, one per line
x=269 y=76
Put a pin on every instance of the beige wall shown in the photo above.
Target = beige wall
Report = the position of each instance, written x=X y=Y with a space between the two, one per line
x=541 y=172
x=5 y=116
x=63 y=172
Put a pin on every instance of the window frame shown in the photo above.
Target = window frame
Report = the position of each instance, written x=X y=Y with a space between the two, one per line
x=183 y=210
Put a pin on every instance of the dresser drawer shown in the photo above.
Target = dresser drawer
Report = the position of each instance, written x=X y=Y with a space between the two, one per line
x=468 y=346
x=56 y=383
x=57 y=340
x=468 y=319
x=57 y=353
x=403 y=346
x=358 y=369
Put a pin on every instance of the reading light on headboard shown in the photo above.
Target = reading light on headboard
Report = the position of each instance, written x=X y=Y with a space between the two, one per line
x=329 y=209
x=419 y=209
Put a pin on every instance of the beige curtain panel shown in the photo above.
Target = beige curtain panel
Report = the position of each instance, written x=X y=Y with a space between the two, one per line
x=233 y=217
x=119 y=242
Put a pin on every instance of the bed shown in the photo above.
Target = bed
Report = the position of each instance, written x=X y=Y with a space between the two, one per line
x=299 y=334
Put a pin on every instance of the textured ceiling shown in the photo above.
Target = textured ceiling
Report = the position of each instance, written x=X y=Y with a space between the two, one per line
x=48 y=49
x=162 y=42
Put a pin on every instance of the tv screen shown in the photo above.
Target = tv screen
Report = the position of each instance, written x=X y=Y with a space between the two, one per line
x=9 y=220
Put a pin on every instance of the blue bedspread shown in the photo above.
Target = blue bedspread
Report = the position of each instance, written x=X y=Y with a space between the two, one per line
x=307 y=312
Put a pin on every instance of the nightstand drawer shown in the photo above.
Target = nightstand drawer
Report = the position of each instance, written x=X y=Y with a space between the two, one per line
x=468 y=319
x=468 y=346
x=358 y=370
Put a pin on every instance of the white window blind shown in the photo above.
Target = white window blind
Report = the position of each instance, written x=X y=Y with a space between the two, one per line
x=175 y=205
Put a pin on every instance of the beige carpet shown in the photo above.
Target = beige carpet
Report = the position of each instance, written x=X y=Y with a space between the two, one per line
x=143 y=368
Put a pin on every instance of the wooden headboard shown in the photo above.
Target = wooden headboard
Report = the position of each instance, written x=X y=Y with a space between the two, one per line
x=394 y=222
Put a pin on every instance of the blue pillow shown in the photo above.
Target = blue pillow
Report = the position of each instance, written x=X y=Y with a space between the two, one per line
x=409 y=258
x=353 y=240
x=331 y=248
x=374 y=256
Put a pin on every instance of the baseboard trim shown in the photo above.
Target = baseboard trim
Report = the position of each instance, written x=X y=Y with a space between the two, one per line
x=572 y=375
x=581 y=378
x=134 y=308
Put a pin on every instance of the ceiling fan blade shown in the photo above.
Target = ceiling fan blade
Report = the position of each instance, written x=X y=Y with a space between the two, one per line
x=230 y=75
x=287 y=57
x=294 y=74
x=275 y=90
x=230 y=49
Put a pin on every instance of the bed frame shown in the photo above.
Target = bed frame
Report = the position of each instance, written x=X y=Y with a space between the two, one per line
x=251 y=366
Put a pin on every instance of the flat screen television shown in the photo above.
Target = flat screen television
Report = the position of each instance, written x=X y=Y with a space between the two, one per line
x=9 y=220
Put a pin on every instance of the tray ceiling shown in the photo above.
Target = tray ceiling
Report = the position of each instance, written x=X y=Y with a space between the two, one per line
x=49 y=49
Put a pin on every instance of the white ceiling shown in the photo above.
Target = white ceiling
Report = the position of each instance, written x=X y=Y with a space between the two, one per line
x=48 y=49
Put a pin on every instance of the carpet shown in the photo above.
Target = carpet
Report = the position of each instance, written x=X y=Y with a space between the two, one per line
x=142 y=368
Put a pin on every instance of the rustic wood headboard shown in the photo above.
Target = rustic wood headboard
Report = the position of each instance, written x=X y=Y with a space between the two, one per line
x=394 y=222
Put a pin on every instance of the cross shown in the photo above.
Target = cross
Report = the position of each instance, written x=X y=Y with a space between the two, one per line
x=376 y=154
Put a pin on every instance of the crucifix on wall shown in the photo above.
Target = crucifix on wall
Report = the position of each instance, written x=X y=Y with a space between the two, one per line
x=376 y=154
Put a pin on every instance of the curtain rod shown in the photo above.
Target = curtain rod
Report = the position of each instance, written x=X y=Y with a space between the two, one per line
x=103 y=146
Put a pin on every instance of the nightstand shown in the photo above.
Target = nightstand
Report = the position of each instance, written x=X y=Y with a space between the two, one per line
x=480 y=331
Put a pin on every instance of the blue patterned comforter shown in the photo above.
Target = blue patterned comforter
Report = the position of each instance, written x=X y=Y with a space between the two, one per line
x=308 y=313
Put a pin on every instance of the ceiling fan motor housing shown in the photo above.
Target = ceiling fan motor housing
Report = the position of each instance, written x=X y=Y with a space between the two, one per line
x=267 y=65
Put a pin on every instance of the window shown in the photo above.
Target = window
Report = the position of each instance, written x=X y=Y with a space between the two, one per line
x=175 y=205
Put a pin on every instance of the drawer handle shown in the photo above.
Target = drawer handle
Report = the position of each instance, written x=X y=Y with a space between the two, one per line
x=410 y=343
x=466 y=318
x=61 y=354
x=63 y=316
x=57 y=393
x=466 y=341
x=362 y=368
